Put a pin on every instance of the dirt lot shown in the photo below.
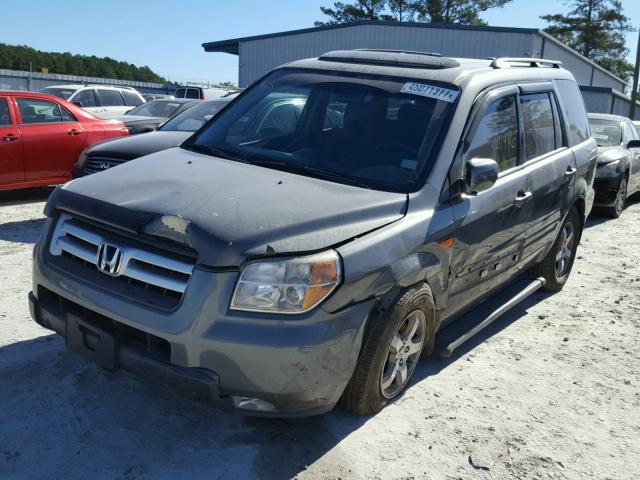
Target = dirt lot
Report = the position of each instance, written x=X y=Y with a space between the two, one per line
x=550 y=391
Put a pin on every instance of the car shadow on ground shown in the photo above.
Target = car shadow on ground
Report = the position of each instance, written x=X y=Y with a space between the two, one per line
x=25 y=231
x=19 y=197
x=435 y=364
x=116 y=421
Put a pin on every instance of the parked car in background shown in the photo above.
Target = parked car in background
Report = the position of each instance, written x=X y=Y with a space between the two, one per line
x=156 y=96
x=176 y=130
x=41 y=137
x=281 y=269
x=201 y=93
x=146 y=117
x=103 y=101
x=618 y=172
x=636 y=123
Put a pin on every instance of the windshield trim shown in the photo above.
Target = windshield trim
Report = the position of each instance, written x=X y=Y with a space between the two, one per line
x=429 y=160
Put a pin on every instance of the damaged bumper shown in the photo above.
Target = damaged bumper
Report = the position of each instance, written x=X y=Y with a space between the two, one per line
x=262 y=364
x=606 y=190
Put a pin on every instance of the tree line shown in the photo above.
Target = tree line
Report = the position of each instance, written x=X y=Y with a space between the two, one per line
x=594 y=28
x=18 y=57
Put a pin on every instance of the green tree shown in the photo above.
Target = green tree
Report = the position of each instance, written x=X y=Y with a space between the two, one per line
x=360 y=10
x=434 y=11
x=17 y=57
x=466 y=12
x=595 y=28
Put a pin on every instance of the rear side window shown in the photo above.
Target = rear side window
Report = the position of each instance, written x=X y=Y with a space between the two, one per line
x=193 y=93
x=110 y=98
x=87 y=97
x=5 y=118
x=573 y=111
x=496 y=135
x=537 y=119
x=132 y=99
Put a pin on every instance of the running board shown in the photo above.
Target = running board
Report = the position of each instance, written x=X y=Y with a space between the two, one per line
x=507 y=299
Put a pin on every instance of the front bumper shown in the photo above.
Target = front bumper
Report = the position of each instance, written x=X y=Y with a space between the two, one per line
x=606 y=190
x=298 y=365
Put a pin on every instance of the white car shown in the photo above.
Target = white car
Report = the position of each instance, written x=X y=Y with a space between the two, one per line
x=103 y=101
x=201 y=93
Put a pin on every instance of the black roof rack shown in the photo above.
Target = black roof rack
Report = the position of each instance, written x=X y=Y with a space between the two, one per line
x=510 y=62
x=390 y=58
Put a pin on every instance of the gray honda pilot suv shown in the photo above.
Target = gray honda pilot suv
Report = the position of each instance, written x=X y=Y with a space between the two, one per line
x=316 y=237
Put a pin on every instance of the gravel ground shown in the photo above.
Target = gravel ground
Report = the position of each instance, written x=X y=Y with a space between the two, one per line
x=550 y=391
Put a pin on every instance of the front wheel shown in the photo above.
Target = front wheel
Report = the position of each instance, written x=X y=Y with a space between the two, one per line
x=615 y=210
x=556 y=266
x=391 y=352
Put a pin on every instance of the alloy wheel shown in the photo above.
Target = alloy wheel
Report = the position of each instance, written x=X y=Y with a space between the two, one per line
x=621 y=197
x=403 y=354
x=565 y=249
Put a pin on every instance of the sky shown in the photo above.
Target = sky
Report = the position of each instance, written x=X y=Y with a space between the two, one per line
x=167 y=35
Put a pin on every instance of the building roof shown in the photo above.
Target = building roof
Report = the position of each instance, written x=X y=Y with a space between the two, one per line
x=232 y=45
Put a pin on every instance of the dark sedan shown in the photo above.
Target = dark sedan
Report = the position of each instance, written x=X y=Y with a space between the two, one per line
x=146 y=117
x=104 y=155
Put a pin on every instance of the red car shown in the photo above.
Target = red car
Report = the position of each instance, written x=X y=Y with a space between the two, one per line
x=41 y=137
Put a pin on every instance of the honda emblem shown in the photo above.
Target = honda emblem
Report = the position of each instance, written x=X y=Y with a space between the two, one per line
x=109 y=259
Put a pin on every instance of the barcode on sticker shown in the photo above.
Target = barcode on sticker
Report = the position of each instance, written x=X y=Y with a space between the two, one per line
x=430 y=91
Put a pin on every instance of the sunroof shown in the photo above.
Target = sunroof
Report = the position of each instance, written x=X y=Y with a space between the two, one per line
x=392 y=58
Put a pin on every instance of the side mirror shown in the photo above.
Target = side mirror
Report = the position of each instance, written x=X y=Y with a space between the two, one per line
x=78 y=103
x=633 y=144
x=480 y=174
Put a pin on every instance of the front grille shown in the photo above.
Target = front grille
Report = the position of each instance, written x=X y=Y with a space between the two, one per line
x=97 y=164
x=148 y=275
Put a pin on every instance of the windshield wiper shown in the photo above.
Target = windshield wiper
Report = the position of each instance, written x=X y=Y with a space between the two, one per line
x=311 y=171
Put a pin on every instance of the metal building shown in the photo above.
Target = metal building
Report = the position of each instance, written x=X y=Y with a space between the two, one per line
x=260 y=54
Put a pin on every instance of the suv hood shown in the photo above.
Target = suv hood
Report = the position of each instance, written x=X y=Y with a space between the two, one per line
x=227 y=211
x=610 y=154
x=139 y=145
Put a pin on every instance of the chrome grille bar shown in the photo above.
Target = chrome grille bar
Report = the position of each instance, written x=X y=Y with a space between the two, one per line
x=137 y=264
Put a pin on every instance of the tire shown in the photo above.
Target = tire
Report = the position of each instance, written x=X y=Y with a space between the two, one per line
x=556 y=266
x=616 y=209
x=391 y=348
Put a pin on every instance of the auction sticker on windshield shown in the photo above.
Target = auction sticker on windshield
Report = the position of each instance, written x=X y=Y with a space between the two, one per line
x=430 y=91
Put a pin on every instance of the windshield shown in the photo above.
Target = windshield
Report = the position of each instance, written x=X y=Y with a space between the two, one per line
x=194 y=117
x=369 y=131
x=63 y=93
x=608 y=133
x=156 y=108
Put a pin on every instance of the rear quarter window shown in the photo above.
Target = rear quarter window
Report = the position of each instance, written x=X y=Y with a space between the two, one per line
x=132 y=99
x=574 y=112
x=110 y=98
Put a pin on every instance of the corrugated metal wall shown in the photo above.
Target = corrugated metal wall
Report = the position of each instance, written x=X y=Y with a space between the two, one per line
x=260 y=56
x=608 y=102
x=19 y=80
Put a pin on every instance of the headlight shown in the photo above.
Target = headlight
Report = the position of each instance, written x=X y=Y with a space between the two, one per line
x=608 y=170
x=292 y=285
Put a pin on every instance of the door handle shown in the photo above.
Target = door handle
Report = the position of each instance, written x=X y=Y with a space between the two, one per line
x=9 y=137
x=73 y=132
x=570 y=173
x=522 y=198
